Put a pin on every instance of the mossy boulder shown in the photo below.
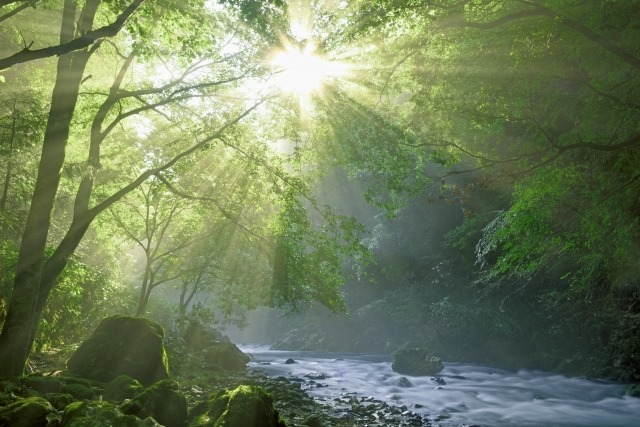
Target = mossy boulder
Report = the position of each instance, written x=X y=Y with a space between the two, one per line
x=245 y=406
x=100 y=414
x=78 y=391
x=199 y=337
x=26 y=412
x=416 y=361
x=43 y=384
x=121 y=388
x=59 y=400
x=122 y=345
x=226 y=355
x=163 y=401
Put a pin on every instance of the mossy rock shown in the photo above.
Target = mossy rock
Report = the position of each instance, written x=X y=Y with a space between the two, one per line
x=100 y=414
x=59 y=400
x=416 y=361
x=78 y=391
x=122 y=345
x=74 y=380
x=121 y=388
x=162 y=401
x=227 y=356
x=242 y=407
x=634 y=390
x=43 y=384
x=199 y=337
x=26 y=412
x=12 y=390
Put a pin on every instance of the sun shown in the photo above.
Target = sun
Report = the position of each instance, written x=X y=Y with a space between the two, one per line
x=301 y=72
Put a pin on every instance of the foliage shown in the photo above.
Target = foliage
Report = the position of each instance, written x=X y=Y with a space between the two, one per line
x=83 y=297
x=570 y=221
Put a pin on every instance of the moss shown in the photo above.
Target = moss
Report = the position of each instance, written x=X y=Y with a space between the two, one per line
x=243 y=406
x=100 y=414
x=162 y=401
x=122 y=345
x=59 y=400
x=26 y=412
x=121 y=388
x=227 y=356
x=43 y=384
x=78 y=391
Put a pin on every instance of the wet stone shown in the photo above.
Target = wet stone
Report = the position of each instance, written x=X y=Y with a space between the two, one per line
x=404 y=382
x=439 y=380
x=316 y=376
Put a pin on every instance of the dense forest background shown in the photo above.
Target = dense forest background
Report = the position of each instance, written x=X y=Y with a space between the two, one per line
x=470 y=168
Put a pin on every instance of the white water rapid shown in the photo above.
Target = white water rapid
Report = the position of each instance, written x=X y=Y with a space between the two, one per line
x=465 y=394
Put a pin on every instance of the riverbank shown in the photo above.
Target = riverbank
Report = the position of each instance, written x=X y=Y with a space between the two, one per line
x=346 y=390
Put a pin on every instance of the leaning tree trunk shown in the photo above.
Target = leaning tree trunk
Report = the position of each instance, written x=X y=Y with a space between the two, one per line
x=21 y=320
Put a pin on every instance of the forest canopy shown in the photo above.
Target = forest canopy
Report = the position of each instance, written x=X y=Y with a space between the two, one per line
x=184 y=144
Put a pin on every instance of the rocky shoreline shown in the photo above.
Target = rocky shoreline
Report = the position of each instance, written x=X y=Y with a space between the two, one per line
x=290 y=398
x=116 y=378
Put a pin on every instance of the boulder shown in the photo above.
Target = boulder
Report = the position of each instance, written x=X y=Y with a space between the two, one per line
x=100 y=414
x=199 y=337
x=245 y=406
x=162 y=401
x=59 y=400
x=43 y=384
x=26 y=412
x=121 y=388
x=122 y=345
x=404 y=382
x=417 y=362
x=226 y=355
x=78 y=391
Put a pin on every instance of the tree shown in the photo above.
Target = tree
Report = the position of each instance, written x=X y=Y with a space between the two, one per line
x=199 y=113
x=36 y=274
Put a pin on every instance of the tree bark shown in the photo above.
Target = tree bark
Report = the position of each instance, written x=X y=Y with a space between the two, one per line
x=7 y=178
x=16 y=338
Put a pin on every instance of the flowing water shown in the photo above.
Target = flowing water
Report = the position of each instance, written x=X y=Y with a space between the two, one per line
x=461 y=394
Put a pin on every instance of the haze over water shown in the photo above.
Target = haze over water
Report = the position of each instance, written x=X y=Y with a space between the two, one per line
x=471 y=394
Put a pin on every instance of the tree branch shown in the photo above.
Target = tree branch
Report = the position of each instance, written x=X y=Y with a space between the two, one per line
x=78 y=43
x=93 y=212
x=14 y=11
x=217 y=203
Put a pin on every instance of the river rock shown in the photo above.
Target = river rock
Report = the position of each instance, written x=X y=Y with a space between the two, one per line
x=226 y=355
x=199 y=337
x=417 y=362
x=404 y=382
x=122 y=345
x=241 y=407
x=162 y=401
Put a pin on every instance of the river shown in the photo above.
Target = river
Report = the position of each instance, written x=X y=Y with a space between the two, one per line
x=462 y=394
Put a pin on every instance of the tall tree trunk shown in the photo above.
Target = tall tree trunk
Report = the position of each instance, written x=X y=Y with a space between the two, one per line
x=7 y=178
x=21 y=320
